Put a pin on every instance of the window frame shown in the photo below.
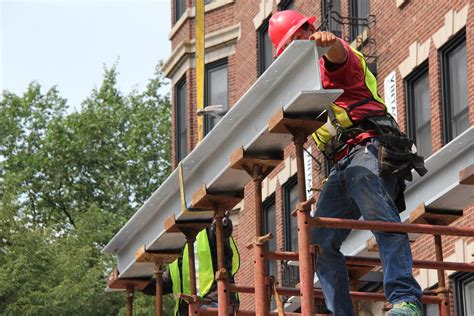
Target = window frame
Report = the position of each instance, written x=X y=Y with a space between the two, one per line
x=449 y=47
x=460 y=279
x=427 y=306
x=215 y=65
x=409 y=81
x=269 y=202
x=290 y=184
x=262 y=32
x=331 y=24
x=354 y=13
x=177 y=14
x=179 y=85
x=286 y=4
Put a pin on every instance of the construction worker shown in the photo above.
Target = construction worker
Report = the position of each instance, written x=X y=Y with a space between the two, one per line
x=176 y=277
x=371 y=159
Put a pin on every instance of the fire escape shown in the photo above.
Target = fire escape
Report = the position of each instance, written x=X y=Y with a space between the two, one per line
x=354 y=28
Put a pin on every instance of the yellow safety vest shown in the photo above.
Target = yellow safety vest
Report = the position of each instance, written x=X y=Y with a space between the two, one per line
x=338 y=116
x=204 y=269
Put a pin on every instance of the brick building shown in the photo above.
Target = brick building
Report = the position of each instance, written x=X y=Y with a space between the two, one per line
x=422 y=52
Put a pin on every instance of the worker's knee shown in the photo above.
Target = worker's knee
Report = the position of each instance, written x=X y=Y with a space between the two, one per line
x=328 y=240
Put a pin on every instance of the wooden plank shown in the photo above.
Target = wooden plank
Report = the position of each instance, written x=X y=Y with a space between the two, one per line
x=172 y=226
x=357 y=271
x=218 y=201
x=114 y=282
x=466 y=175
x=162 y=257
x=281 y=123
x=236 y=157
x=424 y=215
x=240 y=159
x=371 y=245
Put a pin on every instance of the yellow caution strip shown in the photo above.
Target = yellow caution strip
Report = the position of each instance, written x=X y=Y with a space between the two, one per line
x=280 y=309
x=184 y=207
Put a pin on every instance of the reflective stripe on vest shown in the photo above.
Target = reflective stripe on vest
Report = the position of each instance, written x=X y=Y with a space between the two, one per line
x=176 y=279
x=235 y=257
x=326 y=132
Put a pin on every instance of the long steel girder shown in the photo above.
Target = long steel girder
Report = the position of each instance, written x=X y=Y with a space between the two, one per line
x=292 y=82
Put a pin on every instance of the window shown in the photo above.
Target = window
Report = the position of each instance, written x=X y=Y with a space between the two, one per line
x=464 y=293
x=291 y=198
x=418 y=109
x=265 y=52
x=454 y=87
x=330 y=13
x=359 y=10
x=286 y=5
x=431 y=309
x=179 y=8
x=290 y=273
x=181 y=118
x=216 y=90
x=269 y=226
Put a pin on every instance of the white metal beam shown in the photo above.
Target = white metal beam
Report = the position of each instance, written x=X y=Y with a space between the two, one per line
x=292 y=82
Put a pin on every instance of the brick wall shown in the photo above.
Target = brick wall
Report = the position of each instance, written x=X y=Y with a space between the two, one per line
x=393 y=33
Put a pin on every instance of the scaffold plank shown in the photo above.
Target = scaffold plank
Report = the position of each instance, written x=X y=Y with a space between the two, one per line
x=142 y=255
x=425 y=215
x=114 y=282
x=216 y=201
x=280 y=122
x=466 y=175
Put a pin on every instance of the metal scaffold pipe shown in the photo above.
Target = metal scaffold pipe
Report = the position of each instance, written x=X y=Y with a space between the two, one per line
x=159 y=288
x=392 y=227
x=130 y=296
x=221 y=274
x=318 y=293
x=302 y=217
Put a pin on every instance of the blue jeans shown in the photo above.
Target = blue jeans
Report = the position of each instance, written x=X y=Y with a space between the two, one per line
x=354 y=188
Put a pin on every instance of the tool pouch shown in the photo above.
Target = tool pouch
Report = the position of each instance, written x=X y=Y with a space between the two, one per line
x=396 y=157
x=395 y=153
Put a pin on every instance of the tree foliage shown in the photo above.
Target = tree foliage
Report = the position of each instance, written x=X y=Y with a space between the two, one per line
x=68 y=182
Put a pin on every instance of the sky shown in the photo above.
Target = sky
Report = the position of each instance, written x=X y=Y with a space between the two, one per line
x=67 y=43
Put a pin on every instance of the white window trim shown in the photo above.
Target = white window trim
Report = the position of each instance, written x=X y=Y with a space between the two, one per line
x=266 y=8
x=463 y=251
x=218 y=44
x=454 y=21
x=191 y=13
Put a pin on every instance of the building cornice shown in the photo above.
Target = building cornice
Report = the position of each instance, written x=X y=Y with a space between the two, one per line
x=186 y=48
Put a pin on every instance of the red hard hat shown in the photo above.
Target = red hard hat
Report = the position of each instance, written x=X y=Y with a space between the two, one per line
x=283 y=25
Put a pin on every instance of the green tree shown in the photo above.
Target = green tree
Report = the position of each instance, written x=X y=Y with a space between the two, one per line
x=68 y=183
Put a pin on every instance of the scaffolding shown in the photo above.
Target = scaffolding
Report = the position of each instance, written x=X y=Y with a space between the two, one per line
x=294 y=122
x=258 y=167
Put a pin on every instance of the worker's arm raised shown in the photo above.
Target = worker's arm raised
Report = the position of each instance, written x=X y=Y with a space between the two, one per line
x=337 y=53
